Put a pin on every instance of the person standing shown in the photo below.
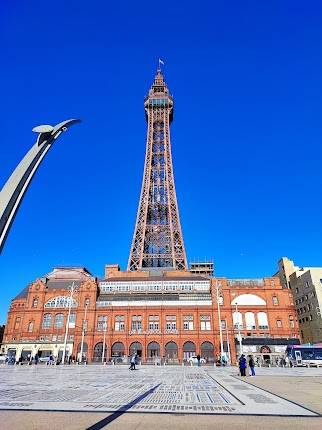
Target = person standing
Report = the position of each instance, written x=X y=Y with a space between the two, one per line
x=198 y=360
x=242 y=365
x=251 y=363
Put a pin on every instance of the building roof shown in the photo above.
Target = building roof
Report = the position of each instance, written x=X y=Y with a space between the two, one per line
x=23 y=294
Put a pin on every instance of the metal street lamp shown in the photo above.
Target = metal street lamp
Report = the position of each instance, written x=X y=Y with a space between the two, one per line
x=219 y=318
x=84 y=328
x=14 y=189
x=104 y=338
x=239 y=334
x=73 y=289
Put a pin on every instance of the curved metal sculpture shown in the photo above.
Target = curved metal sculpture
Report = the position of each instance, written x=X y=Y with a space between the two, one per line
x=13 y=191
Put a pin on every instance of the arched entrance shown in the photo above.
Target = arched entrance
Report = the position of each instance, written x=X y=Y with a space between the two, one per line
x=171 y=352
x=118 y=352
x=136 y=348
x=98 y=352
x=153 y=351
x=207 y=351
x=189 y=349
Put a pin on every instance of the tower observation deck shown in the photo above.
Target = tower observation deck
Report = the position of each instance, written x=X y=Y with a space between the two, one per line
x=157 y=240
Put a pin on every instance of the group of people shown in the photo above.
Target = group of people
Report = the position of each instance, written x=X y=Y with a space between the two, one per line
x=243 y=362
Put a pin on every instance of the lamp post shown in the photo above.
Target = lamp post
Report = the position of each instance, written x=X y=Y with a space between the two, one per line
x=83 y=334
x=15 y=188
x=239 y=334
x=228 y=346
x=219 y=318
x=104 y=338
x=73 y=289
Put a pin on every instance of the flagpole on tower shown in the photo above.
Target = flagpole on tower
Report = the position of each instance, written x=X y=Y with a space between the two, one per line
x=160 y=62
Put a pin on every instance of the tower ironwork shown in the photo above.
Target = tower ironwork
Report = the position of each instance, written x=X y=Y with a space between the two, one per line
x=157 y=240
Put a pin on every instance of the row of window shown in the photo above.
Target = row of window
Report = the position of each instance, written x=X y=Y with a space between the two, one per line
x=248 y=320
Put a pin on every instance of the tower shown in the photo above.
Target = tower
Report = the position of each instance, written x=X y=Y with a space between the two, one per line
x=157 y=240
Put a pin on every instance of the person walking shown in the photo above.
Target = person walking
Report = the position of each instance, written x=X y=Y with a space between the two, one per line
x=132 y=361
x=251 y=364
x=242 y=365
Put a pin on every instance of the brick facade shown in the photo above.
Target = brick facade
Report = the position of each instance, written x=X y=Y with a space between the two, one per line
x=155 y=325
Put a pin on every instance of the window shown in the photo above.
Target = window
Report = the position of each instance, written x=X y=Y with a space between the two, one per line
x=61 y=302
x=275 y=300
x=17 y=323
x=35 y=302
x=223 y=324
x=205 y=322
x=291 y=321
x=311 y=318
x=205 y=325
x=153 y=322
x=87 y=301
x=119 y=324
x=250 y=321
x=188 y=322
x=136 y=323
x=46 y=322
x=31 y=326
x=59 y=321
x=171 y=325
x=72 y=320
x=171 y=322
x=262 y=321
x=187 y=325
x=102 y=323
x=237 y=320
x=278 y=323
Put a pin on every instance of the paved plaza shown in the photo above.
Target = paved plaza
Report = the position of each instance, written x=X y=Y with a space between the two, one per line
x=149 y=389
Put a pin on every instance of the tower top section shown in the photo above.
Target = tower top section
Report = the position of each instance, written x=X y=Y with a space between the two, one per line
x=159 y=96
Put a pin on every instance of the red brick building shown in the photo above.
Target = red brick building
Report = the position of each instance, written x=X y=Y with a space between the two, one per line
x=169 y=315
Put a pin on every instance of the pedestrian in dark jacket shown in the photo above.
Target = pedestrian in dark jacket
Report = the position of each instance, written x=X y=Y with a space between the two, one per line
x=242 y=365
x=251 y=364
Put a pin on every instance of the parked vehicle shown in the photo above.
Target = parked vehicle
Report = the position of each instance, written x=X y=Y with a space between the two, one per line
x=304 y=355
x=193 y=360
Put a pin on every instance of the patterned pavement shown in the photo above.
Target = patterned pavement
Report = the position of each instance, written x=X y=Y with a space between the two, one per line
x=170 y=389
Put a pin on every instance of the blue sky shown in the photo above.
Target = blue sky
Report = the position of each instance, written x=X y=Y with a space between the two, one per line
x=246 y=78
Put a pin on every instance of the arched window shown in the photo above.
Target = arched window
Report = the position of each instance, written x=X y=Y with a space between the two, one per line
x=248 y=300
x=262 y=321
x=189 y=349
x=153 y=350
x=31 y=326
x=238 y=320
x=46 y=322
x=207 y=351
x=118 y=349
x=136 y=348
x=35 y=302
x=250 y=321
x=61 y=302
x=59 y=321
x=171 y=351
x=99 y=350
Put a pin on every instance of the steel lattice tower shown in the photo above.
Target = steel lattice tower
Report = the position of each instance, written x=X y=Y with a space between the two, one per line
x=157 y=240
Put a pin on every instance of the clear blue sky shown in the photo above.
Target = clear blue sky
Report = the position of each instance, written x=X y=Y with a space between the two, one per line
x=246 y=77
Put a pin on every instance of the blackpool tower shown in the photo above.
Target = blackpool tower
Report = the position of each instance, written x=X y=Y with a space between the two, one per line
x=157 y=240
